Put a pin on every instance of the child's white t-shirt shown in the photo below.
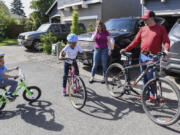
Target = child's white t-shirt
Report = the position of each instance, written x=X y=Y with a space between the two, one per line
x=72 y=53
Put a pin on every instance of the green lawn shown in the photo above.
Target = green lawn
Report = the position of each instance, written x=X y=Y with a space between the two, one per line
x=8 y=42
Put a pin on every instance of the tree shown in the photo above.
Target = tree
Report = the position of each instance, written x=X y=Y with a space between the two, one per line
x=4 y=14
x=6 y=20
x=91 y=27
x=17 y=8
x=3 y=8
x=40 y=7
x=75 y=23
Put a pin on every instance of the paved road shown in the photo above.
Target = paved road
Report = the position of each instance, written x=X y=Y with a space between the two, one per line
x=54 y=115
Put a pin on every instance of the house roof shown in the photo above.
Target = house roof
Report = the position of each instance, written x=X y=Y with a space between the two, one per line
x=52 y=6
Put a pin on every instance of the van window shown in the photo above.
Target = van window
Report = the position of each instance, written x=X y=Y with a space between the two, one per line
x=55 y=29
x=63 y=28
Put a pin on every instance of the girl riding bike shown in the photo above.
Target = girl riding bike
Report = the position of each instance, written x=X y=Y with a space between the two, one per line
x=71 y=50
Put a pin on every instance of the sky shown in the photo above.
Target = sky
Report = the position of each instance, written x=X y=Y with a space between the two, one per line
x=26 y=5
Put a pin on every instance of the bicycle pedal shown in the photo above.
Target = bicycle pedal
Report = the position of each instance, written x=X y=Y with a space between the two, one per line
x=12 y=99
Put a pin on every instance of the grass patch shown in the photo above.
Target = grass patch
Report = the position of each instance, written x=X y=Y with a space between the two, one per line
x=8 y=42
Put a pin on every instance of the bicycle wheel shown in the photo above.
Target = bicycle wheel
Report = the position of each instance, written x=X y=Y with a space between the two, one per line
x=115 y=80
x=77 y=92
x=164 y=109
x=34 y=94
x=2 y=102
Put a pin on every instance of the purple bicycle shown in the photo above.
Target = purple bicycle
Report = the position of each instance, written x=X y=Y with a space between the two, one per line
x=76 y=87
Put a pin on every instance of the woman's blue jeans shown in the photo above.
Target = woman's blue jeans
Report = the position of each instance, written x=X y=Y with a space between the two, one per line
x=100 y=54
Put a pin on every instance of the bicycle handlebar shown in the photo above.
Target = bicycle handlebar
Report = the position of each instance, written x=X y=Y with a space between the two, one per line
x=128 y=54
x=68 y=59
x=21 y=75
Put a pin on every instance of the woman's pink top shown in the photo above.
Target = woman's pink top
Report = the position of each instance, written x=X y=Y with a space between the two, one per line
x=101 y=39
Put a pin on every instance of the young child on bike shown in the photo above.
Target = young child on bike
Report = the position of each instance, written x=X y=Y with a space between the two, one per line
x=71 y=50
x=5 y=78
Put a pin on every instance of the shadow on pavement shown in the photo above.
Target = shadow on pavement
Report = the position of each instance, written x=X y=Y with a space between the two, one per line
x=173 y=128
x=177 y=80
x=32 y=51
x=36 y=114
x=109 y=108
x=89 y=68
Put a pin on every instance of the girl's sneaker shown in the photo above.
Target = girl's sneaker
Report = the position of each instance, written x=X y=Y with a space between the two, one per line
x=64 y=92
x=73 y=91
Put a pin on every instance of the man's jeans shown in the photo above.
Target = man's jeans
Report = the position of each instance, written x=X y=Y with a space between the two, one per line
x=149 y=73
x=100 y=54
x=8 y=82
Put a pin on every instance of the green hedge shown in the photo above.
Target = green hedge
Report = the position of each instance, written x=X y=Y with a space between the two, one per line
x=47 y=40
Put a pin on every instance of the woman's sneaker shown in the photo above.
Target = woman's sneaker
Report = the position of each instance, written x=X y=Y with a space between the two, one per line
x=91 y=80
x=103 y=80
x=64 y=92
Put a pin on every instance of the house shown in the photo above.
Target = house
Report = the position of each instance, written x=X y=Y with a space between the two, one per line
x=168 y=9
x=91 y=10
x=53 y=12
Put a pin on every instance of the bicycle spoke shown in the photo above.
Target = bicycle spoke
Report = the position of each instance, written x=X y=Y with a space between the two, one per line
x=164 y=109
x=115 y=80
x=77 y=93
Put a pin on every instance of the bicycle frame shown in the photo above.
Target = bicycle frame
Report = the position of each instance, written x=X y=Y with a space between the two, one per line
x=20 y=85
x=141 y=75
x=71 y=79
x=72 y=73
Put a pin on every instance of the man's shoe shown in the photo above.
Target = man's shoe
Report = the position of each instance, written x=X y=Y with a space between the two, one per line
x=152 y=99
x=146 y=97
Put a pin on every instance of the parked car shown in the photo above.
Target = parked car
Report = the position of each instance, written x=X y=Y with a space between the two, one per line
x=122 y=32
x=31 y=39
x=171 y=64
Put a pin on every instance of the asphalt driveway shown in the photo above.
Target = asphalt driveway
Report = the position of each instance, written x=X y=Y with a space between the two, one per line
x=54 y=115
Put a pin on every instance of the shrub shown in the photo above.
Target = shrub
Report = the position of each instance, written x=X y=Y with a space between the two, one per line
x=62 y=44
x=90 y=28
x=47 y=40
x=75 y=23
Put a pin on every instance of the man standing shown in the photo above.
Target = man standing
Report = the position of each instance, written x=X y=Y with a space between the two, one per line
x=151 y=37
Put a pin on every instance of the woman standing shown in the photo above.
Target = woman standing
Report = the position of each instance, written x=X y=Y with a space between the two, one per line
x=102 y=49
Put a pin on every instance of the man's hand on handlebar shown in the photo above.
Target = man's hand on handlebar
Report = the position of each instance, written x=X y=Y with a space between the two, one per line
x=122 y=50
x=166 y=52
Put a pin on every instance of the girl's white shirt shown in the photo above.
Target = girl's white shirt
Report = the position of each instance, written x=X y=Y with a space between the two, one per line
x=72 y=53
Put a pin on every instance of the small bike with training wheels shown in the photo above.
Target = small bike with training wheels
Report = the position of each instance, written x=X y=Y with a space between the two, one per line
x=76 y=87
x=31 y=93
x=164 y=109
